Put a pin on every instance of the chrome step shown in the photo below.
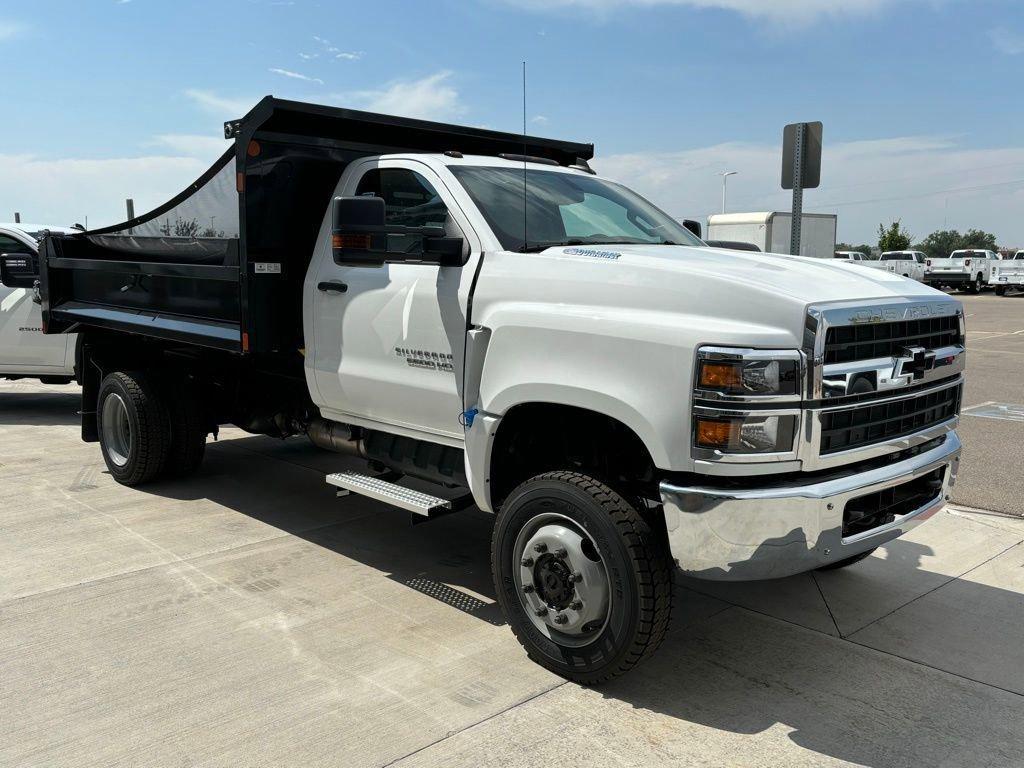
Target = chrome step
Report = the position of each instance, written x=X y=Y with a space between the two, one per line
x=396 y=495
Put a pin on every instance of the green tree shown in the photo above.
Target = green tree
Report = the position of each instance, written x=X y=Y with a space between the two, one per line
x=976 y=238
x=938 y=245
x=894 y=237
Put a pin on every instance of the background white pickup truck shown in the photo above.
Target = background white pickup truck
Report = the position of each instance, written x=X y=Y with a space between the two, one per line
x=24 y=351
x=969 y=269
x=906 y=263
x=1008 y=273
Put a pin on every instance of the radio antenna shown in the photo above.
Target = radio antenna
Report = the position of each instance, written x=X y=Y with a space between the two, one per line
x=525 y=230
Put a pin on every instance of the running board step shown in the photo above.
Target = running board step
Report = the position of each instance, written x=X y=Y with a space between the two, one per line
x=375 y=488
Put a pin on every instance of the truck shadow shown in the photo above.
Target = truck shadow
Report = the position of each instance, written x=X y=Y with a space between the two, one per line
x=723 y=667
x=33 y=407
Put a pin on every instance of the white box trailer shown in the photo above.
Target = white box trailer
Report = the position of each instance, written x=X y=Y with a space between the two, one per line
x=770 y=231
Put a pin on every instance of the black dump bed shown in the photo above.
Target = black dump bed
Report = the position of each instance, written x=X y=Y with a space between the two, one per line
x=222 y=264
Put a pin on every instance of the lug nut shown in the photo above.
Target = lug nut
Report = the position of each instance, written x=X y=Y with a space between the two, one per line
x=540 y=547
x=542 y=611
x=576 y=577
x=561 y=618
x=561 y=553
x=527 y=588
x=527 y=562
x=576 y=605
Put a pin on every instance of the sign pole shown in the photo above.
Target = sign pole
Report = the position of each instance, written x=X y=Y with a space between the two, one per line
x=798 y=188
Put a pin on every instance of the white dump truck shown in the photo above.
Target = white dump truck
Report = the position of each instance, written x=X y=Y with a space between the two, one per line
x=480 y=312
x=25 y=352
x=771 y=231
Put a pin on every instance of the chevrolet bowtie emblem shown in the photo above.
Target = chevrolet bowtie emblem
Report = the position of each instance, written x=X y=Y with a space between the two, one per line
x=914 y=363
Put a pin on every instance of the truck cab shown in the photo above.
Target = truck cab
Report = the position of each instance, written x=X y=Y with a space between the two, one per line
x=483 y=313
x=25 y=352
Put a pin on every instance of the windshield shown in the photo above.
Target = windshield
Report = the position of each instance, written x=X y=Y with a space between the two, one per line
x=565 y=209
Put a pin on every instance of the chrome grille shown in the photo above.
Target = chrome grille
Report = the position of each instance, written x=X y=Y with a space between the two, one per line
x=844 y=344
x=848 y=428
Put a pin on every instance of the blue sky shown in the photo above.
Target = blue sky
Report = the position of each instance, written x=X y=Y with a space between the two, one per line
x=920 y=98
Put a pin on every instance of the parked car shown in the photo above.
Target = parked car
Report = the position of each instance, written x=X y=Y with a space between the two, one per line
x=1008 y=273
x=968 y=269
x=623 y=398
x=851 y=256
x=25 y=352
x=906 y=263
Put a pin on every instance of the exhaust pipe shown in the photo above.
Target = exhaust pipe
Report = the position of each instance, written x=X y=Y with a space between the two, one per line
x=340 y=438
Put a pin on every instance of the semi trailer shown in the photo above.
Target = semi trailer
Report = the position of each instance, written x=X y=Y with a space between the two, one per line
x=481 y=312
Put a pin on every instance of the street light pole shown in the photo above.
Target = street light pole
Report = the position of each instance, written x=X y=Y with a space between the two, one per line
x=725 y=177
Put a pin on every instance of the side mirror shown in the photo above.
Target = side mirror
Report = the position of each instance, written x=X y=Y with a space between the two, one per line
x=360 y=238
x=18 y=270
x=693 y=226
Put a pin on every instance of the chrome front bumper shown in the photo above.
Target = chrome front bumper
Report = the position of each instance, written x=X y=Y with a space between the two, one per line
x=771 y=532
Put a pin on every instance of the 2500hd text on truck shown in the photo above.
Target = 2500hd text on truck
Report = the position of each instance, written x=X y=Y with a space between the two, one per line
x=481 y=311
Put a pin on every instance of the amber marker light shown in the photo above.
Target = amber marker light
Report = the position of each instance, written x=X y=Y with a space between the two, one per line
x=721 y=376
x=713 y=433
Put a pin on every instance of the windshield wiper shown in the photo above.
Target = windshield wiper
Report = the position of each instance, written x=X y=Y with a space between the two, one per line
x=542 y=245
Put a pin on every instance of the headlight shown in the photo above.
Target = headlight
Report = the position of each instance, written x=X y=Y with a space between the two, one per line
x=746 y=404
x=747 y=372
x=745 y=434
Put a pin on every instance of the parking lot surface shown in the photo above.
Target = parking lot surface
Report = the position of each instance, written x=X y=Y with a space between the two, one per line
x=248 y=617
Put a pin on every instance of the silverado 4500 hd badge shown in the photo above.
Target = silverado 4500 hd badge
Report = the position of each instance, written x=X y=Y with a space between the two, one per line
x=421 y=358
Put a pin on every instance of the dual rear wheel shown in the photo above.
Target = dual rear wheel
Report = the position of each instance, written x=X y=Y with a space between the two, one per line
x=146 y=430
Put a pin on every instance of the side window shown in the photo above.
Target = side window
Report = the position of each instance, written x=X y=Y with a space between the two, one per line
x=409 y=199
x=9 y=245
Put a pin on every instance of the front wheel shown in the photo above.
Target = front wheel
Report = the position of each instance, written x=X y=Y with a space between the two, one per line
x=1000 y=290
x=583 y=580
x=979 y=283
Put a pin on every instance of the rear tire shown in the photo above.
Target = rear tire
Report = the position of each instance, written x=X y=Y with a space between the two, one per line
x=1000 y=290
x=133 y=427
x=978 y=284
x=612 y=591
x=188 y=430
x=848 y=561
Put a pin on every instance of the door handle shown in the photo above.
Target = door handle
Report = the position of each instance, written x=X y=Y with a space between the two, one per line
x=332 y=286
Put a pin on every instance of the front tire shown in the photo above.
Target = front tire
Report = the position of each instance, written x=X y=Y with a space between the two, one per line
x=979 y=283
x=1000 y=290
x=583 y=580
x=133 y=427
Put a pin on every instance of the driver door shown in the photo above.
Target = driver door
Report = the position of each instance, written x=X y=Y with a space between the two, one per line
x=389 y=340
x=23 y=347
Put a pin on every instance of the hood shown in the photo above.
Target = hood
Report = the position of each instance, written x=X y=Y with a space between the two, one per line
x=800 y=278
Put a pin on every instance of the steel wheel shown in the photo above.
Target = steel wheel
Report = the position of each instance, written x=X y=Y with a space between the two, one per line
x=561 y=578
x=117 y=429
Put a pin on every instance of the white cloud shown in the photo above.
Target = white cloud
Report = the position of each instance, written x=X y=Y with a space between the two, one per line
x=539 y=120
x=781 y=11
x=349 y=55
x=431 y=98
x=1007 y=40
x=308 y=56
x=223 y=106
x=10 y=30
x=928 y=182
x=295 y=75
x=63 y=191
